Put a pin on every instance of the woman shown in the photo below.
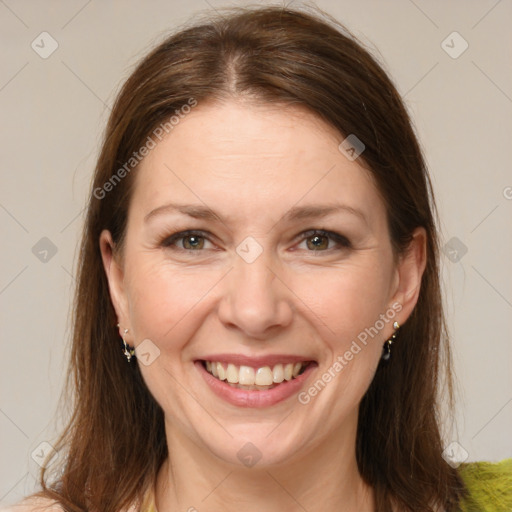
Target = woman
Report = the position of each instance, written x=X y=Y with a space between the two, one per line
x=258 y=321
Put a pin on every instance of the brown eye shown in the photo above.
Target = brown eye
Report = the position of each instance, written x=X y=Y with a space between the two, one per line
x=193 y=242
x=187 y=241
x=317 y=242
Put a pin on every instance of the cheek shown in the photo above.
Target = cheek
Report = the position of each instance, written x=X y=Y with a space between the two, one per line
x=163 y=300
x=350 y=304
x=346 y=301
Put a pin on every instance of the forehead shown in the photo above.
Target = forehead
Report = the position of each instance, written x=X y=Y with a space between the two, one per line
x=252 y=159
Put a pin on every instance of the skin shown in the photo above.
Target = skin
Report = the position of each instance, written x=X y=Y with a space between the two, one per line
x=251 y=164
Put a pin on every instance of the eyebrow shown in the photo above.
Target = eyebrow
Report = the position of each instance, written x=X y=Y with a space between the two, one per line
x=295 y=213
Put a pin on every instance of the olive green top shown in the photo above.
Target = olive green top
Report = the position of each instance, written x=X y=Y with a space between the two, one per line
x=489 y=485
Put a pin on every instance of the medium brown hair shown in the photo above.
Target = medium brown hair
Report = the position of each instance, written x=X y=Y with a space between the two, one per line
x=115 y=439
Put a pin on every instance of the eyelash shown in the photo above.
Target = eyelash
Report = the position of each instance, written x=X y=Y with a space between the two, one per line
x=340 y=240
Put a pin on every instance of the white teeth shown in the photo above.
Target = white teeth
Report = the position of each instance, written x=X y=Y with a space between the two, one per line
x=232 y=373
x=221 y=371
x=264 y=376
x=247 y=376
x=278 y=373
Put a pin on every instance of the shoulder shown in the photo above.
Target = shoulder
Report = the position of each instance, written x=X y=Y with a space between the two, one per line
x=40 y=504
x=489 y=486
x=34 y=504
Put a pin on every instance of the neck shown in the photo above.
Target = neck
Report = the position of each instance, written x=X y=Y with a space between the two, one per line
x=321 y=479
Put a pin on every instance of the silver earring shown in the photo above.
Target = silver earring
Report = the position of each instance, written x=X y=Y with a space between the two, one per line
x=128 y=351
x=386 y=349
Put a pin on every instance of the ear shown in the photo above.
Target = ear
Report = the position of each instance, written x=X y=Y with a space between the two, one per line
x=115 y=277
x=409 y=271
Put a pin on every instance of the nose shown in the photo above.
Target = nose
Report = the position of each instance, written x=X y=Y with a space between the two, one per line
x=255 y=300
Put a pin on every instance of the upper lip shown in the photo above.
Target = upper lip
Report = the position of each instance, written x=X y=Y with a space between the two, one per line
x=256 y=361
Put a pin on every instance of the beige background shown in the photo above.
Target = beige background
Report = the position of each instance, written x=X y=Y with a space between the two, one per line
x=53 y=113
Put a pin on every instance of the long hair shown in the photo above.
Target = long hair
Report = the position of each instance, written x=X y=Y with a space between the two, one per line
x=115 y=439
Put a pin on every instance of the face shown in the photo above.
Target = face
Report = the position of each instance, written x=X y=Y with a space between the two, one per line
x=258 y=251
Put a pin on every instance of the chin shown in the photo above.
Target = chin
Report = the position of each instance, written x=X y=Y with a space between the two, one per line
x=253 y=446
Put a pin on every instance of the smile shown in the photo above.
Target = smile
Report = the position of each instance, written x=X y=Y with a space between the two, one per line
x=247 y=377
x=255 y=382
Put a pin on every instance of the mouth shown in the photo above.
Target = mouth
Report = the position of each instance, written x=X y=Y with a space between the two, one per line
x=255 y=382
x=255 y=379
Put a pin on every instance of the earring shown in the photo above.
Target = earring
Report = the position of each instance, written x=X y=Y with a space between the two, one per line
x=128 y=351
x=386 y=349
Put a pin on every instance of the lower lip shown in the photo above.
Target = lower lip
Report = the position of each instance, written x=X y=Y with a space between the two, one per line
x=255 y=398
